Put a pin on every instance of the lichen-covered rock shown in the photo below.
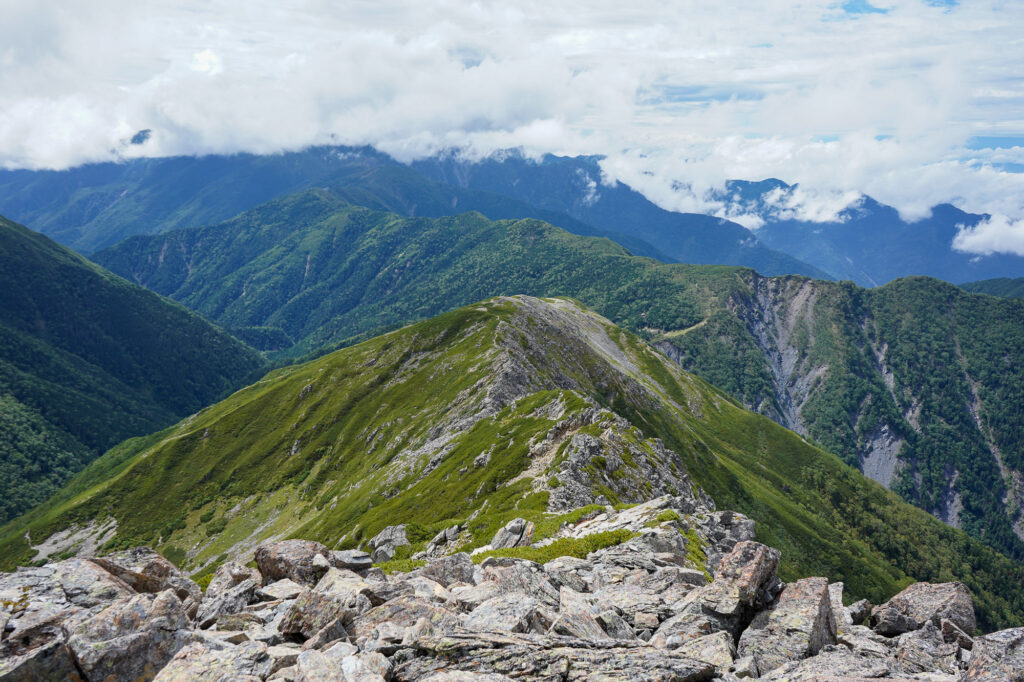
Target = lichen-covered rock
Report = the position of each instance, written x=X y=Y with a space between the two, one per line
x=998 y=656
x=281 y=589
x=615 y=625
x=516 y=533
x=340 y=594
x=292 y=559
x=366 y=667
x=571 y=572
x=924 y=602
x=457 y=568
x=924 y=651
x=314 y=666
x=386 y=542
x=511 y=612
x=404 y=612
x=834 y=663
x=50 y=661
x=547 y=658
x=132 y=639
x=351 y=559
x=427 y=589
x=471 y=596
x=798 y=625
x=199 y=662
x=718 y=649
x=144 y=570
x=229 y=574
x=226 y=602
x=523 y=576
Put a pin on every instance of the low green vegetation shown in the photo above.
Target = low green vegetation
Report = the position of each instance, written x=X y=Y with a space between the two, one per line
x=1000 y=286
x=575 y=547
x=401 y=429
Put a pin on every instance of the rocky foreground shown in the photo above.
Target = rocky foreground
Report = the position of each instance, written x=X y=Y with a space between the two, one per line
x=639 y=610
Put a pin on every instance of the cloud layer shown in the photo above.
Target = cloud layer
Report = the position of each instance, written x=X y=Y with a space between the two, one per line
x=919 y=103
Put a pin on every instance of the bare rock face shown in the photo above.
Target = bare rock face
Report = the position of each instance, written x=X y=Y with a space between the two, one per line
x=292 y=559
x=745 y=582
x=386 y=542
x=516 y=533
x=546 y=657
x=200 y=662
x=132 y=639
x=51 y=661
x=923 y=602
x=924 y=650
x=798 y=625
x=146 y=571
x=999 y=656
x=339 y=595
x=226 y=602
x=511 y=612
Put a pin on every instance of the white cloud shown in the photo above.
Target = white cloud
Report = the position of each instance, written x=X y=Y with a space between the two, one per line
x=679 y=97
x=997 y=234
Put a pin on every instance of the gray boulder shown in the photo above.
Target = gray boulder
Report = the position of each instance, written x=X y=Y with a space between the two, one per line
x=132 y=639
x=386 y=542
x=226 y=603
x=340 y=594
x=924 y=650
x=351 y=559
x=50 y=661
x=718 y=649
x=457 y=568
x=405 y=612
x=924 y=602
x=200 y=662
x=144 y=570
x=229 y=574
x=516 y=533
x=998 y=656
x=798 y=625
x=523 y=576
x=292 y=559
x=511 y=612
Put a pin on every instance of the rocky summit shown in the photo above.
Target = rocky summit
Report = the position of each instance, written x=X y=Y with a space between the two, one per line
x=686 y=594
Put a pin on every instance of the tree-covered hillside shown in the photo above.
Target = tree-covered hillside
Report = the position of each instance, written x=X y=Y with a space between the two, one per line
x=88 y=359
x=916 y=382
x=1000 y=286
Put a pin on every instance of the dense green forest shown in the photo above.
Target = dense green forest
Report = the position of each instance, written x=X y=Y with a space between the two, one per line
x=310 y=271
x=87 y=360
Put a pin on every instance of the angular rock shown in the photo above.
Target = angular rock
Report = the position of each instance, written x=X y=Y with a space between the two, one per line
x=314 y=666
x=859 y=611
x=227 y=602
x=132 y=638
x=144 y=570
x=427 y=589
x=550 y=658
x=51 y=661
x=386 y=542
x=718 y=649
x=998 y=656
x=835 y=663
x=865 y=641
x=835 y=595
x=510 y=612
x=292 y=559
x=405 y=612
x=744 y=668
x=745 y=577
x=456 y=568
x=351 y=559
x=340 y=594
x=282 y=589
x=199 y=662
x=523 y=576
x=516 y=533
x=366 y=667
x=228 y=575
x=615 y=626
x=471 y=596
x=798 y=625
x=568 y=571
x=924 y=650
x=924 y=602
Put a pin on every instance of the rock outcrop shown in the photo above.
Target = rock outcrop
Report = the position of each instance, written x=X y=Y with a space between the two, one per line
x=638 y=610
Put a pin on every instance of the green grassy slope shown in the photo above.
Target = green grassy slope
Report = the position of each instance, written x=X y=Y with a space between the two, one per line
x=309 y=271
x=387 y=431
x=88 y=359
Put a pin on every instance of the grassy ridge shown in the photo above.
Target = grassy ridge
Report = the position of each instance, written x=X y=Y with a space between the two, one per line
x=388 y=431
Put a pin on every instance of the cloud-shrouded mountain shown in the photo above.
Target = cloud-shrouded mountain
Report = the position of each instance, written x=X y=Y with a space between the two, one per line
x=92 y=207
x=511 y=407
x=915 y=382
x=87 y=360
x=869 y=243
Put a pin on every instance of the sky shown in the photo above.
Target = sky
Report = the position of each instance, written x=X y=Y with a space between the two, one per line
x=913 y=102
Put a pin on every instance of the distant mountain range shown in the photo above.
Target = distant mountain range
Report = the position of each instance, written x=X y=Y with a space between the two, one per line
x=916 y=382
x=87 y=360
